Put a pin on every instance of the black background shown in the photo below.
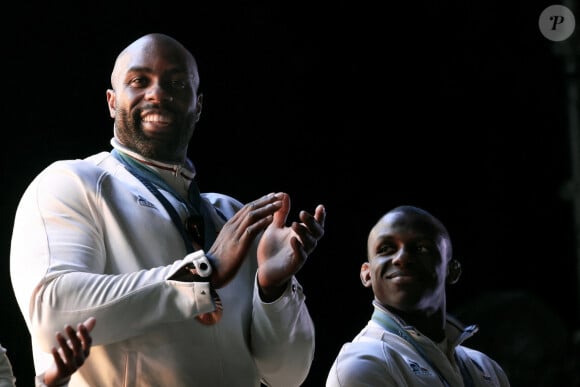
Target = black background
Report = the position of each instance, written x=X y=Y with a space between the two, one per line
x=461 y=109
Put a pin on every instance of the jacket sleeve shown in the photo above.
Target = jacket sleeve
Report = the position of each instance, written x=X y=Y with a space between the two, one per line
x=59 y=264
x=283 y=337
x=6 y=374
x=282 y=332
x=39 y=381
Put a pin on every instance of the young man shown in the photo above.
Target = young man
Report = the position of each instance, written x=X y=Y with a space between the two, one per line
x=410 y=340
x=189 y=289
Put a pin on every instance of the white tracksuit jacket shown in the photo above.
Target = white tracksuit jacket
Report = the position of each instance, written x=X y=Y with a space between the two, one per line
x=90 y=240
x=378 y=358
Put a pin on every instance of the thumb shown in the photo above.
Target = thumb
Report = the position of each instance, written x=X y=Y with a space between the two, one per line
x=90 y=323
x=281 y=215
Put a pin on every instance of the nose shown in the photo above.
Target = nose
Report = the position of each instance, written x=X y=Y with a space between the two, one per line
x=157 y=93
x=402 y=257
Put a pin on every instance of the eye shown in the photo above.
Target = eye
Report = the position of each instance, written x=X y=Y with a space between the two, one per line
x=386 y=249
x=179 y=84
x=138 y=82
x=424 y=248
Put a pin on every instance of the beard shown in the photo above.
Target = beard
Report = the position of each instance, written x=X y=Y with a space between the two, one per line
x=169 y=147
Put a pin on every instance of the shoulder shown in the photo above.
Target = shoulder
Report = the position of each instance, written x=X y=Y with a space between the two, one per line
x=227 y=205
x=93 y=165
x=362 y=352
x=487 y=366
x=63 y=177
x=475 y=356
x=360 y=364
x=365 y=356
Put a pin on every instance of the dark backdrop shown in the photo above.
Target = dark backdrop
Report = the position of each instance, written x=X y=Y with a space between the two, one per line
x=459 y=109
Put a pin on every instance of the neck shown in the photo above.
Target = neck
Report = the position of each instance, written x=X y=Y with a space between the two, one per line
x=431 y=325
x=186 y=170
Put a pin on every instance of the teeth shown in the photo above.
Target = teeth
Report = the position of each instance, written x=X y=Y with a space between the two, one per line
x=156 y=118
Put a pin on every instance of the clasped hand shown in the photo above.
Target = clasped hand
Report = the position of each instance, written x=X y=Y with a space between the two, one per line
x=282 y=250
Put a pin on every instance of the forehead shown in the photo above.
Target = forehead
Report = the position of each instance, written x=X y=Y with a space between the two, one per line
x=408 y=224
x=155 y=55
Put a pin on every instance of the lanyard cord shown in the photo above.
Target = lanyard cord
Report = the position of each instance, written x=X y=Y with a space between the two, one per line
x=145 y=176
x=390 y=325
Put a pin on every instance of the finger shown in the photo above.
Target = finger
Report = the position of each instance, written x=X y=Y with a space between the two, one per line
x=57 y=359
x=255 y=211
x=252 y=218
x=85 y=337
x=74 y=341
x=262 y=201
x=255 y=228
x=312 y=223
x=300 y=255
x=65 y=349
x=320 y=214
x=304 y=237
x=259 y=218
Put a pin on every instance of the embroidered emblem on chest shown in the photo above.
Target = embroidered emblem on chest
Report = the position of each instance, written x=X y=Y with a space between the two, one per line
x=144 y=202
x=418 y=370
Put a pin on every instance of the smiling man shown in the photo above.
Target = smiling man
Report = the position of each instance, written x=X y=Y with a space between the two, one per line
x=410 y=340
x=190 y=288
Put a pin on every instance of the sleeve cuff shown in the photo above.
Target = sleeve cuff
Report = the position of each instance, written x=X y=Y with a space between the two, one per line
x=197 y=260
x=39 y=381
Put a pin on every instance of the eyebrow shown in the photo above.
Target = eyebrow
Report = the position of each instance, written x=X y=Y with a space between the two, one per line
x=173 y=70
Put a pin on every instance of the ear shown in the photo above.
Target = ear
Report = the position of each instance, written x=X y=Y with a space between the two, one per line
x=453 y=272
x=199 y=105
x=365 y=275
x=111 y=102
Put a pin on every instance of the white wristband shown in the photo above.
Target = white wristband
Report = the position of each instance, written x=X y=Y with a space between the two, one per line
x=201 y=263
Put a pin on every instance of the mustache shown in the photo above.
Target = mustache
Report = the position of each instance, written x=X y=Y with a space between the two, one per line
x=155 y=106
x=388 y=271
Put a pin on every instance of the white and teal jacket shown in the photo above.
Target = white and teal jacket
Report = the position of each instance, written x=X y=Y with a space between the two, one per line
x=386 y=352
x=90 y=240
